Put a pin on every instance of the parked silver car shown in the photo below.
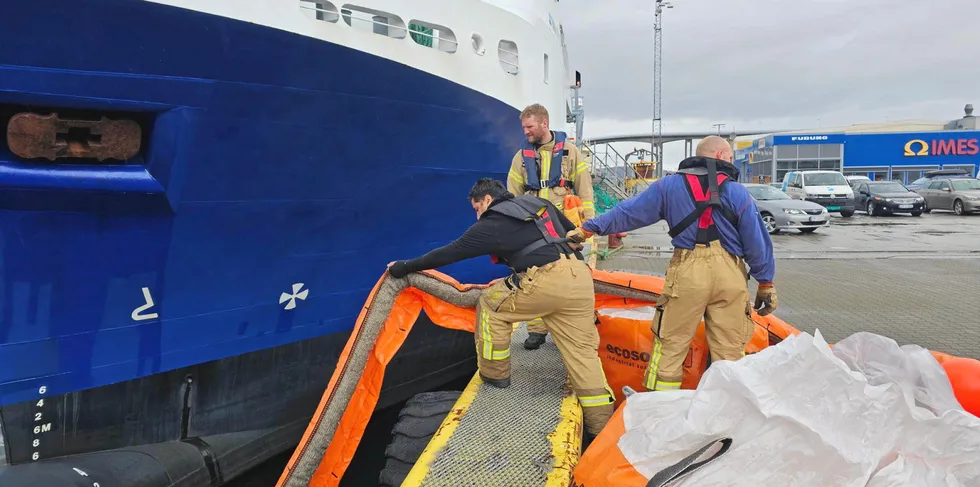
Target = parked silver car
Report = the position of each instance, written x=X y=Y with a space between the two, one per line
x=960 y=195
x=780 y=212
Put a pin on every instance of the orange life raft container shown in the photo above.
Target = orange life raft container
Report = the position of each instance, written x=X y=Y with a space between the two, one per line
x=334 y=433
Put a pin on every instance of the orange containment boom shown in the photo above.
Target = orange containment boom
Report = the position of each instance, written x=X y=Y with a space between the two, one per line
x=333 y=435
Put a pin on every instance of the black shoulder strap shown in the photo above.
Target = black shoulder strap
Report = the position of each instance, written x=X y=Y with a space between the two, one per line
x=531 y=204
x=714 y=190
x=531 y=247
x=538 y=210
x=687 y=465
x=514 y=209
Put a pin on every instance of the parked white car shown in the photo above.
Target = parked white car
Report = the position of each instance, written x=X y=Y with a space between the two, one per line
x=826 y=188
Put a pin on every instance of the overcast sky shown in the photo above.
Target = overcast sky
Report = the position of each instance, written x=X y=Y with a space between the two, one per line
x=765 y=64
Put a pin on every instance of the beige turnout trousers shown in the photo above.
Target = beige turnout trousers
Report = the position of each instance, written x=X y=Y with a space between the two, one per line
x=537 y=325
x=562 y=295
x=708 y=282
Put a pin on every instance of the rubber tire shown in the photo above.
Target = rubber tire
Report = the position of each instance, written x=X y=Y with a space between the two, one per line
x=871 y=210
x=418 y=421
x=847 y=213
x=774 y=230
x=958 y=204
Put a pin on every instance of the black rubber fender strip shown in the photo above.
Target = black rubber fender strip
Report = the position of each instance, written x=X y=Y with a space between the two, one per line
x=209 y=460
x=196 y=462
x=172 y=464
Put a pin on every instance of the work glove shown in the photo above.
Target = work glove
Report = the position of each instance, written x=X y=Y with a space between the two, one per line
x=398 y=269
x=765 y=299
x=573 y=210
x=578 y=235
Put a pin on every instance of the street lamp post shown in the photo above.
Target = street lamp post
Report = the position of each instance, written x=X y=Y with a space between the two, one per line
x=656 y=140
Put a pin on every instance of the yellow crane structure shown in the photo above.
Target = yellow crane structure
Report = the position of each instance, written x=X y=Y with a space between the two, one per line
x=641 y=172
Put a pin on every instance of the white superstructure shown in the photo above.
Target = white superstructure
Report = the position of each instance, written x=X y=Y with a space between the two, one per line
x=511 y=50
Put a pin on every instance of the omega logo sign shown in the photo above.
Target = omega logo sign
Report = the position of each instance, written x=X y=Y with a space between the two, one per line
x=808 y=137
x=952 y=147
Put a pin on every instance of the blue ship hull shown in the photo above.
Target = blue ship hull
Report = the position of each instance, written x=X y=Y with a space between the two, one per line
x=271 y=164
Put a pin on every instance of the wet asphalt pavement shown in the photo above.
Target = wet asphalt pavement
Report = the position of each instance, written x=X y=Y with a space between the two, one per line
x=914 y=279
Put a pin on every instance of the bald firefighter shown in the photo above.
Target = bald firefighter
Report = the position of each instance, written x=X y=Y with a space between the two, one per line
x=548 y=180
x=549 y=280
x=716 y=229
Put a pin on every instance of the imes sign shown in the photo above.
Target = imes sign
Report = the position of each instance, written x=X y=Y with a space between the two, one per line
x=951 y=147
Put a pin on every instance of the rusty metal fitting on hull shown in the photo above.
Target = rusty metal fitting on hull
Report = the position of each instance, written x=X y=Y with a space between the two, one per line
x=32 y=135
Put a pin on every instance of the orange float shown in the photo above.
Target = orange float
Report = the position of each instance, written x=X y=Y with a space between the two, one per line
x=964 y=376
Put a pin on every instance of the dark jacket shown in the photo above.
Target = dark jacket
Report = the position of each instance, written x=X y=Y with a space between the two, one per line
x=492 y=234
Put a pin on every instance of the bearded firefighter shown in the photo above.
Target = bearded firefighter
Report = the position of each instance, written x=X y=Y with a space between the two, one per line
x=550 y=167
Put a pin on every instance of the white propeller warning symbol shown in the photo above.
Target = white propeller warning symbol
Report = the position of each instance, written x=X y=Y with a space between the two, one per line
x=294 y=296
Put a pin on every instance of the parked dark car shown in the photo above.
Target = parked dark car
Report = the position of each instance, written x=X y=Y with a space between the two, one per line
x=928 y=176
x=887 y=197
x=854 y=180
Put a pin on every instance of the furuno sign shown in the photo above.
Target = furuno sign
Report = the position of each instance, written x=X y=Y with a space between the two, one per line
x=949 y=147
x=808 y=139
x=796 y=138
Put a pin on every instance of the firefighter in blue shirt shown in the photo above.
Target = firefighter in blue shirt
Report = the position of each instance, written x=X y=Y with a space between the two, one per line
x=716 y=229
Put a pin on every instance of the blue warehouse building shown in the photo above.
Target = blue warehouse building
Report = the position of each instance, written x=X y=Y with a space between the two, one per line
x=899 y=151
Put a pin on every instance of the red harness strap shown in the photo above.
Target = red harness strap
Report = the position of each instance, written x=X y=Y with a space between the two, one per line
x=706 y=220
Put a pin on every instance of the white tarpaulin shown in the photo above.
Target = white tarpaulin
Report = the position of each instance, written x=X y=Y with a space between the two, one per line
x=866 y=413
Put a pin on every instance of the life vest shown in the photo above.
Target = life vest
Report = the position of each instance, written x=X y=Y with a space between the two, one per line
x=704 y=203
x=532 y=208
x=533 y=167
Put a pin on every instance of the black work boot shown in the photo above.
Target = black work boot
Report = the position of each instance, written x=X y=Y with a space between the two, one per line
x=498 y=383
x=587 y=439
x=534 y=340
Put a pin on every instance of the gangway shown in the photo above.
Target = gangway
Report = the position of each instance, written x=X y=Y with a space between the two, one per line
x=528 y=434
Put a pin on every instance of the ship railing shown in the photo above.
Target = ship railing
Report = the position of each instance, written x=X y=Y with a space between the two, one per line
x=611 y=171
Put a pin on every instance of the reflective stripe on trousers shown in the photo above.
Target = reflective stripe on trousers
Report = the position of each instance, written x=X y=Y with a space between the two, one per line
x=487 y=340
